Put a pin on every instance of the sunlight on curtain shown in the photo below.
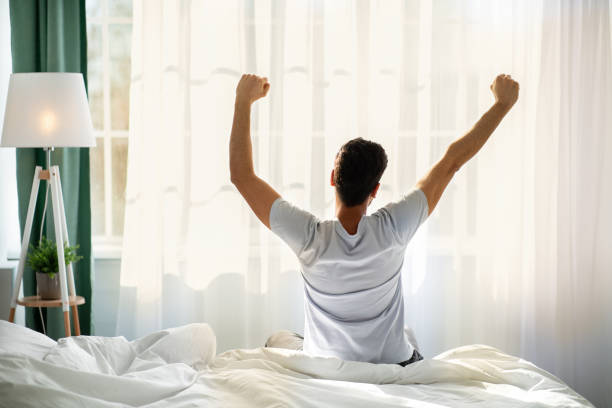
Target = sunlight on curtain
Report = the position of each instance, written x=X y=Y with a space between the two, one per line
x=501 y=261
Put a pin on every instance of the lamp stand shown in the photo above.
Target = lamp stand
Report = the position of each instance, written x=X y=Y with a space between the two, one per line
x=52 y=176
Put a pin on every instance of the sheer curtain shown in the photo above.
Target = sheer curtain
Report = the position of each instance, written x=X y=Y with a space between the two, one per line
x=516 y=254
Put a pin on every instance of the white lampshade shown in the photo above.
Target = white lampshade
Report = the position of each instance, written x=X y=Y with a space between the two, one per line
x=47 y=109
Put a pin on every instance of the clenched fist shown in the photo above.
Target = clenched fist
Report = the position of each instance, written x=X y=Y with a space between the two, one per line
x=505 y=90
x=251 y=87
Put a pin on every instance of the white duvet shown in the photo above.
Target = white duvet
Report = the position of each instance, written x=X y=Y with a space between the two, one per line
x=178 y=368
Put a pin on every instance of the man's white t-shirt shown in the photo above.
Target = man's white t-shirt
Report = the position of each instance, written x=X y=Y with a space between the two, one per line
x=354 y=308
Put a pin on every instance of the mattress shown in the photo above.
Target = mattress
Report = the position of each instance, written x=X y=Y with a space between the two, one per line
x=179 y=367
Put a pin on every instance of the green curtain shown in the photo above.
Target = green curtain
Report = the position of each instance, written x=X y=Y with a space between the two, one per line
x=51 y=36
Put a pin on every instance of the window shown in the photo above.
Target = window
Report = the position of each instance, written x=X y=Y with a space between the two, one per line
x=109 y=34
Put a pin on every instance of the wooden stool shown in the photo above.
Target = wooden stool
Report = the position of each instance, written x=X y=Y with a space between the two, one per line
x=74 y=301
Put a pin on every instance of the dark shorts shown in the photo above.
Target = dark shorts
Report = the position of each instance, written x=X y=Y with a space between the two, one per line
x=293 y=341
x=416 y=356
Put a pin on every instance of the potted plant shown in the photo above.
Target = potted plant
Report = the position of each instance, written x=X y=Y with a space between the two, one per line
x=43 y=260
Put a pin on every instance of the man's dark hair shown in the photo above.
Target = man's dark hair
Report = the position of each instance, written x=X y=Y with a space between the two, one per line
x=359 y=166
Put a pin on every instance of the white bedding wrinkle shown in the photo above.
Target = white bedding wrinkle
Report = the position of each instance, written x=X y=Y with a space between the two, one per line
x=191 y=344
x=176 y=368
x=14 y=338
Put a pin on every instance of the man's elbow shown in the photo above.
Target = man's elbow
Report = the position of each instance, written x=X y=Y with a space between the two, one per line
x=240 y=179
x=454 y=167
x=235 y=179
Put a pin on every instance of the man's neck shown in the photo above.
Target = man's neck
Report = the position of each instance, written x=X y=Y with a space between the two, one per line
x=349 y=217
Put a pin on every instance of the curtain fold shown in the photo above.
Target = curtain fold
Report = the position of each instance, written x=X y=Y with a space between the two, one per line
x=515 y=255
x=574 y=225
x=50 y=36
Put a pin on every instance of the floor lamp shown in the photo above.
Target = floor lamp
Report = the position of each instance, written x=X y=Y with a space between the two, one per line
x=48 y=110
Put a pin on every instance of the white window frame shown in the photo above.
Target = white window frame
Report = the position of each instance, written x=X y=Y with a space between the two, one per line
x=108 y=245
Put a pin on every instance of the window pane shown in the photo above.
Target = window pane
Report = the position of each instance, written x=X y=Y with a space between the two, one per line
x=441 y=221
x=93 y=8
x=406 y=152
x=444 y=86
x=120 y=44
x=120 y=8
x=95 y=75
x=446 y=63
x=119 y=148
x=472 y=180
x=96 y=157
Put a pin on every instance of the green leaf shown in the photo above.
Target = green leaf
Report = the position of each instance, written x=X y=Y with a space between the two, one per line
x=43 y=257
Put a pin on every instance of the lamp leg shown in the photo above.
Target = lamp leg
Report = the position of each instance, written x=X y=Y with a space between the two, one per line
x=25 y=241
x=70 y=274
x=75 y=319
x=59 y=240
x=67 y=323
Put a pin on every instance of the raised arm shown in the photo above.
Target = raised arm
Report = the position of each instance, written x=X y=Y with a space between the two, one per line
x=258 y=194
x=505 y=90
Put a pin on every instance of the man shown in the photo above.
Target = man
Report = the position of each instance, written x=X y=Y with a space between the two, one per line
x=351 y=266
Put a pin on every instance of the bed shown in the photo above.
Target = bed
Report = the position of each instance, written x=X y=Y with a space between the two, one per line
x=179 y=367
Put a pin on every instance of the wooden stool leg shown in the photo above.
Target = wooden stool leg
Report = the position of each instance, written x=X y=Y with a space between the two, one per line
x=12 y=315
x=67 y=323
x=75 y=319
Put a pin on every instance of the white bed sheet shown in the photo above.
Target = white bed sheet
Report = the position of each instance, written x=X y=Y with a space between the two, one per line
x=178 y=367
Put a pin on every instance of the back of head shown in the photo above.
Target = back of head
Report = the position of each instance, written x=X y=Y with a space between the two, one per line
x=359 y=166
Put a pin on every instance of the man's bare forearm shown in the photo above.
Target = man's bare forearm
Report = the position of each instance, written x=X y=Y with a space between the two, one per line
x=241 y=149
x=505 y=90
x=464 y=148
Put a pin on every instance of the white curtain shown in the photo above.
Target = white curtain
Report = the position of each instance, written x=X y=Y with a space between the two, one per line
x=517 y=254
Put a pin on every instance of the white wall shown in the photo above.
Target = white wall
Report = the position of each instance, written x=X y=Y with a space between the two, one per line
x=105 y=295
x=9 y=222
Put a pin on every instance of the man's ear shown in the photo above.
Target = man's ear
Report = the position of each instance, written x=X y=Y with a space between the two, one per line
x=375 y=190
x=331 y=181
